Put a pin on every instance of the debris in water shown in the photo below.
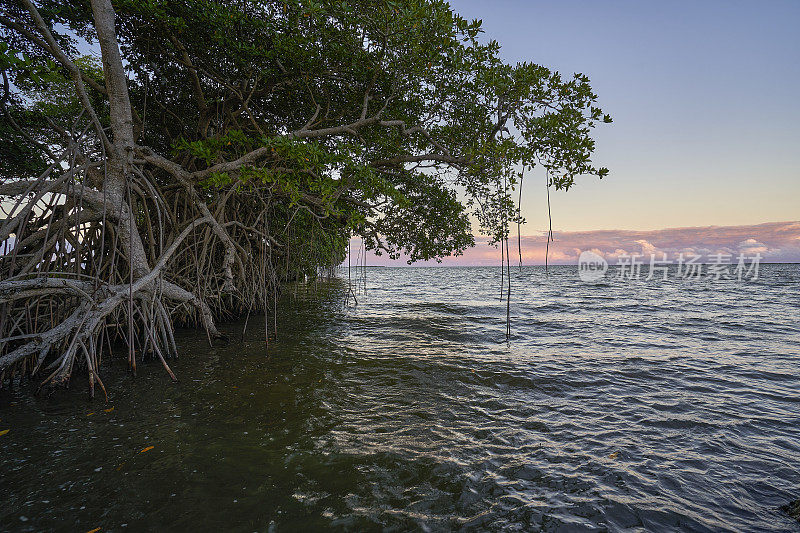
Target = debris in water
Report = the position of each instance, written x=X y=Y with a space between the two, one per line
x=792 y=509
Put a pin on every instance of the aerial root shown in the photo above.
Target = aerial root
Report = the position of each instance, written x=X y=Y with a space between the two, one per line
x=81 y=336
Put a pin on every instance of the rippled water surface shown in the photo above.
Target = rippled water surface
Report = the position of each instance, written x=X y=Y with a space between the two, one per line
x=617 y=405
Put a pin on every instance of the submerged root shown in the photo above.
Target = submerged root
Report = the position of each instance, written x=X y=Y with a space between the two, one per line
x=64 y=307
x=94 y=320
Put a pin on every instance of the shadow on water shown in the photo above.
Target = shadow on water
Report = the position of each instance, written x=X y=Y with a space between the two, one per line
x=406 y=413
x=236 y=442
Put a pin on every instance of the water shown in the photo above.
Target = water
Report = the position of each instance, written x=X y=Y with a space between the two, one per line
x=618 y=405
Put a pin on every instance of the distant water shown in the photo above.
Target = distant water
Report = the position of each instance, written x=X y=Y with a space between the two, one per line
x=616 y=405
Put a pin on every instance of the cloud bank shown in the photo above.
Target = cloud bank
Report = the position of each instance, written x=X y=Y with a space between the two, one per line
x=776 y=242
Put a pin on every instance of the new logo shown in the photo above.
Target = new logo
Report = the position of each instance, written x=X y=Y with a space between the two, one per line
x=591 y=266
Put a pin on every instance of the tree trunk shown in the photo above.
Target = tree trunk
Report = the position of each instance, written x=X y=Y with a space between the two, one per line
x=119 y=102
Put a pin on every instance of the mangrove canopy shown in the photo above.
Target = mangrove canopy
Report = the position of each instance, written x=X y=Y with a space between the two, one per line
x=173 y=162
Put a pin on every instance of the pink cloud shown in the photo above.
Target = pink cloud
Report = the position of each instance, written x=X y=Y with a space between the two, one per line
x=775 y=241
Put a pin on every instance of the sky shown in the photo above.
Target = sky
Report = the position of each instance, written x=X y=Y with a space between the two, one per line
x=772 y=242
x=704 y=97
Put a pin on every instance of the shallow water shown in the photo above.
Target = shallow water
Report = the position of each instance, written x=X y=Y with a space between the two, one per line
x=616 y=405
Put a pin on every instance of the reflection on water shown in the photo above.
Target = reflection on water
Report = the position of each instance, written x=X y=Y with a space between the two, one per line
x=616 y=405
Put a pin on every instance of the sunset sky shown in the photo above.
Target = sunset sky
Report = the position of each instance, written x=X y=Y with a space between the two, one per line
x=706 y=125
